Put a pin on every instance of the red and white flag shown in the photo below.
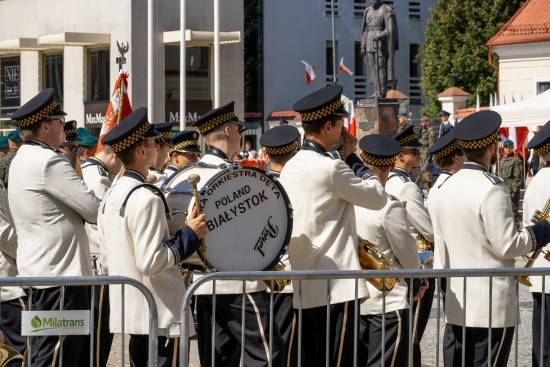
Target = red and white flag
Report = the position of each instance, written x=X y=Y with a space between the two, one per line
x=310 y=74
x=119 y=107
x=343 y=68
x=352 y=123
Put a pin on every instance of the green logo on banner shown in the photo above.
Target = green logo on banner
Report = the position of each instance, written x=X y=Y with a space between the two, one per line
x=36 y=322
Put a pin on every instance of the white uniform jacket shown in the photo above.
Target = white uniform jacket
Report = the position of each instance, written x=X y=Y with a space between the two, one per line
x=399 y=184
x=476 y=224
x=323 y=192
x=432 y=200
x=388 y=230
x=8 y=249
x=156 y=178
x=135 y=238
x=97 y=178
x=226 y=286
x=49 y=204
x=536 y=195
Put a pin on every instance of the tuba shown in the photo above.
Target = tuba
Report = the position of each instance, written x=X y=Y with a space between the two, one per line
x=8 y=354
x=539 y=216
x=372 y=259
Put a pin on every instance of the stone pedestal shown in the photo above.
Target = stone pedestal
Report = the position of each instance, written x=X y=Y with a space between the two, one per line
x=376 y=116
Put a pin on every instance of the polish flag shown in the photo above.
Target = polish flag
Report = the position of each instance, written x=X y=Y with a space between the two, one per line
x=310 y=74
x=343 y=68
x=119 y=107
x=352 y=123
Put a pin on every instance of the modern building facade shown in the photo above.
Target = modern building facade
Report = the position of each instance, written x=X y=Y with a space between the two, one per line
x=302 y=30
x=71 y=46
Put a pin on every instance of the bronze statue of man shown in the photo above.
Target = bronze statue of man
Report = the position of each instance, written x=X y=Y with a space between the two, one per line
x=379 y=42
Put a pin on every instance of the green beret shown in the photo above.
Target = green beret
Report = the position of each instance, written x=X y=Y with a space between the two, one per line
x=14 y=136
x=89 y=141
x=3 y=142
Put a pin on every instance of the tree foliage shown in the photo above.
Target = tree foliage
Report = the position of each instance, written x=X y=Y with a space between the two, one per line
x=456 y=34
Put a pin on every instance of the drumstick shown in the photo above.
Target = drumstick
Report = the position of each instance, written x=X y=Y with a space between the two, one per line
x=194 y=179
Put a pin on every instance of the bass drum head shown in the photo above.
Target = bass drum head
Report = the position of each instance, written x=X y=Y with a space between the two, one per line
x=249 y=220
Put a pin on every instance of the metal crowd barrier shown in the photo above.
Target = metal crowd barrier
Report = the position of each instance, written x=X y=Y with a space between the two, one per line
x=29 y=283
x=298 y=276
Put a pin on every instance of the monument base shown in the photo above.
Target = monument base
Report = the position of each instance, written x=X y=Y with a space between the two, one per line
x=376 y=116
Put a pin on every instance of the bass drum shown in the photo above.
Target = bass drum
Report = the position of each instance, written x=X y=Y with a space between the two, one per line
x=248 y=215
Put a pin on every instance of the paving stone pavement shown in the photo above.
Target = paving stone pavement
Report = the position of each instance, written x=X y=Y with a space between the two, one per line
x=428 y=343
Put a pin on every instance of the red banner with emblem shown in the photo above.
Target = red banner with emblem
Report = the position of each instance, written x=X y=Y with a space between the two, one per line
x=119 y=107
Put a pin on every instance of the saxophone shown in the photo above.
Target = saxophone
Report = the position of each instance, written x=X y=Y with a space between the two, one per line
x=372 y=259
x=539 y=216
x=8 y=354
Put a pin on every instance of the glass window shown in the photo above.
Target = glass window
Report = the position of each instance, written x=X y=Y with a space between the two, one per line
x=359 y=60
x=329 y=59
x=98 y=66
x=543 y=87
x=198 y=78
x=53 y=74
x=414 y=64
x=10 y=80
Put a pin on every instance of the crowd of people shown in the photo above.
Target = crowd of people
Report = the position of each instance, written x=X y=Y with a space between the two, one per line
x=72 y=209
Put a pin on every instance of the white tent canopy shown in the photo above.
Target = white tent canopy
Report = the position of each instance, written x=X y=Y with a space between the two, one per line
x=531 y=112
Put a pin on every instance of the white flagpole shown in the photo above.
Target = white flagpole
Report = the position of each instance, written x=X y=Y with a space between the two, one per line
x=183 y=67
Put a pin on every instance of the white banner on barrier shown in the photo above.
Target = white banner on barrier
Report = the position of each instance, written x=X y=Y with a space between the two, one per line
x=35 y=323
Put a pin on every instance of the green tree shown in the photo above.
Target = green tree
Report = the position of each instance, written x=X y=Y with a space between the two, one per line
x=456 y=34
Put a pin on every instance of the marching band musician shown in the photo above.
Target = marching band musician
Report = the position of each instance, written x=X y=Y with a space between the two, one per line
x=388 y=230
x=97 y=172
x=280 y=144
x=133 y=228
x=222 y=133
x=51 y=240
x=400 y=185
x=323 y=191
x=537 y=193
x=157 y=174
x=484 y=237
x=184 y=151
x=13 y=299
x=450 y=158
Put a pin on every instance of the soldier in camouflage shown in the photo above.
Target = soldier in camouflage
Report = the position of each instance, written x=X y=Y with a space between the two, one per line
x=427 y=138
x=511 y=170
x=15 y=142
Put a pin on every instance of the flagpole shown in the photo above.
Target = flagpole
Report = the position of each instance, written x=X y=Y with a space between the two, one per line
x=150 y=103
x=216 y=53
x=333 y=44
x=183 y=67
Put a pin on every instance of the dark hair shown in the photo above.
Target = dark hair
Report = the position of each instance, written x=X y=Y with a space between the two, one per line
x=315 y=127
x=281 y=159
x=476 y=155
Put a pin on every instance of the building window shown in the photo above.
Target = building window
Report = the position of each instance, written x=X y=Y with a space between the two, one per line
x=414 y=63
x=542 y=87
x=10 y=86
x=53 y=74
x=414 y=10
x=329 y=58
x=98 y=66
x=359 y=61
x=359 y=7
x=328 y=8
x=197 y=76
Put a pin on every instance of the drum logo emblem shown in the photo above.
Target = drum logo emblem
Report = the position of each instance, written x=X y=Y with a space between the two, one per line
x=269 y=231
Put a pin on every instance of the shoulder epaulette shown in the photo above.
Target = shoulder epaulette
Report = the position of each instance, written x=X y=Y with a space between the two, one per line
x=494 y=179
x=391 y=197
x=402 y=177
x=327 y=154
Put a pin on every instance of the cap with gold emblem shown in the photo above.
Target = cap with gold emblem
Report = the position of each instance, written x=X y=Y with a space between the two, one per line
x=186 y=141
x=132 y=129
x=321 y=104
x=212 y=119
x=541 y=140
x=444 y=146
x=478 y=130
x=38 y=109
x=165 y=130
x=280 y=140
x=70 y=131
x=407 y=138
x=379 y=150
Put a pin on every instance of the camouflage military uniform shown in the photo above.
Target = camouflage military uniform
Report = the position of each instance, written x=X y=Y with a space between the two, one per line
x=511 y=170
x=5 y=166
x=427 y=138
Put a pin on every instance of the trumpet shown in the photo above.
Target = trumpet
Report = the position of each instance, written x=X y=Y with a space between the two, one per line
x=278 y=284
x=538 y=216
x=8 y=354
x=372 y=259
